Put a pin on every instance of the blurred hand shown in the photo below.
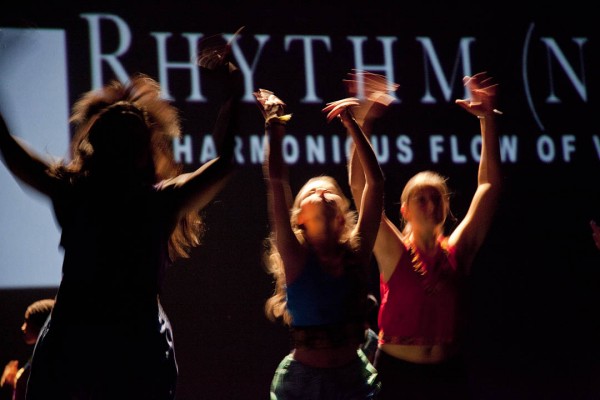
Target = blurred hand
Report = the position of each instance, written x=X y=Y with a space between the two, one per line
x=9 y=376
x=214 y=54
x=483 y=95
x=339 y=108
x=372 y=90
x=367 y=83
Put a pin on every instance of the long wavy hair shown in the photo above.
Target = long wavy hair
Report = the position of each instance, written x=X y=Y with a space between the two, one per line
x=275 y=306
x=135 y=106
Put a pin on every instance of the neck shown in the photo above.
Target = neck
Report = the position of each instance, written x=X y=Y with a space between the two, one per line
x=426 y=242
x=325 y=247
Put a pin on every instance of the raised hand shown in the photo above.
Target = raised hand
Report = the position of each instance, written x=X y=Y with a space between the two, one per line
x=373 y=91
x=338 y=108
x=483 y=95
x=369 y=85
x=215 y=58
x=213 y=53
x=271 y=106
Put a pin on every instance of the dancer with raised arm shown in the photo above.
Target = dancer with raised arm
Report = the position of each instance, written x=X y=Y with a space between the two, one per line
x=422 y=270
x=319 y=256
x=126 y=213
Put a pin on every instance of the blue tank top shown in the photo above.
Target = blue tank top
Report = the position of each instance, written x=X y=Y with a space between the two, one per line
x=319 y=298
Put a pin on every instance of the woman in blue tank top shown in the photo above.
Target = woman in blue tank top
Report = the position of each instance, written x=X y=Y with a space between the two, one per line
x=320 y=252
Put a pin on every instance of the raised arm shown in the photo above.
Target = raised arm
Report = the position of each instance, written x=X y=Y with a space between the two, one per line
x=370 y=205
x=23 y=162
x=388 y=246
x=196 y=189
x=279 y=194
x=471 y=232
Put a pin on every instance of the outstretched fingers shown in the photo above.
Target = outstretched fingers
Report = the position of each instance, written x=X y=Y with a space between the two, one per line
x=368 y=82
x=335 y=108
x=482 y=95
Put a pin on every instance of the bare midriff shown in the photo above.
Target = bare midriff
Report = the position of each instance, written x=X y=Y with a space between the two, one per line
x=420 y=354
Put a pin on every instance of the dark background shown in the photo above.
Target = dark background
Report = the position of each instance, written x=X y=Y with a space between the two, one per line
x=533 y=328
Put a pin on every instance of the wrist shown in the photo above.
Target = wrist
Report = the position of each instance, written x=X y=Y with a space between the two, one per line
x=493 y=113
x=277 y=120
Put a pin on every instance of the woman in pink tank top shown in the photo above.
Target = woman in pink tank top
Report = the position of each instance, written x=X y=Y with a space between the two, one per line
x=422 y=269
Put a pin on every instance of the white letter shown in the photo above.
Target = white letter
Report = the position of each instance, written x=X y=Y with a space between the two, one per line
x=405 y=154
x=456 y=157
x=387 y=67
x=309 y=65
x=208 y=151
x=335 y=148
x=164 y=65
x=508 y=148
x=257 y=149
x=183 y=149
x=545 y=148
x=568 y=146
x=348 y=145
x=596 y=140
x=382 y=151
x=290 y=149
x=578 y=84
x=243 y=64
x=315 y=149
x=239 y=156
x=430 y=55
x=435 y=147
x=96 y=57
x=476 y=148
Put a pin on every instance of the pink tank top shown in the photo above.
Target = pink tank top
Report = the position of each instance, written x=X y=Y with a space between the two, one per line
x=420 y=302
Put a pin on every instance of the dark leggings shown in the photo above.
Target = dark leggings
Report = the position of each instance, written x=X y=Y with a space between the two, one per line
x=410 y=381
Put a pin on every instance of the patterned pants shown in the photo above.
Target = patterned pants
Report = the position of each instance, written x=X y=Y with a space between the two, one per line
x=354 y=381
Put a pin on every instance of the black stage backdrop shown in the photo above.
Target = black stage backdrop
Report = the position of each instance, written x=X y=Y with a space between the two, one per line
x=533 y=327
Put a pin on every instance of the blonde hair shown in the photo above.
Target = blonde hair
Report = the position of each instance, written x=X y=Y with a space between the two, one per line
x=418 y=181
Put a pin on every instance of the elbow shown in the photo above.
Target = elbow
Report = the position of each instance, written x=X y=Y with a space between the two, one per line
x=375 y=189
x=491 y=179
x=356 y=186
x=492 y=191
x=497 y=183
x=374 y=184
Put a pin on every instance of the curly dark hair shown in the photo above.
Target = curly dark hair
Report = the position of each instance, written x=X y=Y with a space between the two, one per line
x=122 y=119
